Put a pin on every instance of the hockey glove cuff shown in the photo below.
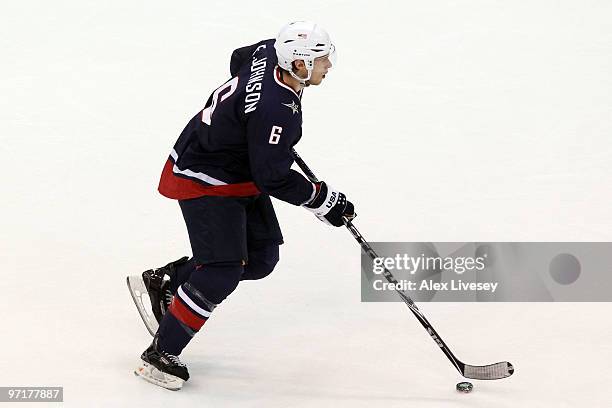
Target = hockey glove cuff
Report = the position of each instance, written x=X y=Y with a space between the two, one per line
x=330 y=205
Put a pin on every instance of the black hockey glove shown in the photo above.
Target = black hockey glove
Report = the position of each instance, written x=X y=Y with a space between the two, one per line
x=330 y=205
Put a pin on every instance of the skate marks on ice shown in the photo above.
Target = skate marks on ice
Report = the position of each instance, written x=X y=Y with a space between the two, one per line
x=296 y=385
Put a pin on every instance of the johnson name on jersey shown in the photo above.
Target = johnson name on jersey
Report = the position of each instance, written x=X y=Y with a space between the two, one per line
x=239 y=144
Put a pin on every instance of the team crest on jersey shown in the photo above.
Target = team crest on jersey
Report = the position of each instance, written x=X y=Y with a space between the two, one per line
x=293 y=106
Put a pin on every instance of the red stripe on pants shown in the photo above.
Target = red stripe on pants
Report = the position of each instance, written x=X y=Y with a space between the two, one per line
x=182 y=313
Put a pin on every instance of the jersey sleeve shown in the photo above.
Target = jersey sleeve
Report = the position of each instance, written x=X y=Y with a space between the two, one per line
x=271 y=135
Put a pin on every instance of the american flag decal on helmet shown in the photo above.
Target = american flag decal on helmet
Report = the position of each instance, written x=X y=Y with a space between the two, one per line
x=304 y=36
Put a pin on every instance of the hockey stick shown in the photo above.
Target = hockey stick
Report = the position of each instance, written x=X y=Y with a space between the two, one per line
x=488 y=372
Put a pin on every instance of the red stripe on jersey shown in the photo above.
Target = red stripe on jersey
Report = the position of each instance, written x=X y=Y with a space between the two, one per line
x=185 y=315
x=179 y=188
x=279 y=80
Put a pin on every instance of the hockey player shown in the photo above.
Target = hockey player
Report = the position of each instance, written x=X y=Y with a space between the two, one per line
x=230 y=158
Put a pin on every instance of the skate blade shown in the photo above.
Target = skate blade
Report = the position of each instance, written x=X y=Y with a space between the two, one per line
x=139 y=293
x=159 y=378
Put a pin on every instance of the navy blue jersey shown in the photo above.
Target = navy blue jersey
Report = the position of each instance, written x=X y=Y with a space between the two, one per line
x=240 y=143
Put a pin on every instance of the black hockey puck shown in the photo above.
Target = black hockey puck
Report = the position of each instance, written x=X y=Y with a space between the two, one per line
x=465 y=387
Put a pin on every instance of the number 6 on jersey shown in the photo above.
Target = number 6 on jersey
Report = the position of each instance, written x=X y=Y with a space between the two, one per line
x=275 y=134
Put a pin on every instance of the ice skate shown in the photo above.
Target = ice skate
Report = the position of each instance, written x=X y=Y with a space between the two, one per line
x=151 y=293
x=161 y=368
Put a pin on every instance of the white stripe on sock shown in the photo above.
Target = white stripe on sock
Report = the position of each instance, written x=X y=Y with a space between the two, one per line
x=191 y=303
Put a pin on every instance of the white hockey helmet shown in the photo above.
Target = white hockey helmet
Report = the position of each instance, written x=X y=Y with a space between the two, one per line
x=302 y=40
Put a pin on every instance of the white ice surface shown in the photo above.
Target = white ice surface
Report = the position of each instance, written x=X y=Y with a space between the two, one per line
x=442 y=121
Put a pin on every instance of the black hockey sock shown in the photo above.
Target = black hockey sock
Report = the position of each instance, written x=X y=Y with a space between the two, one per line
x=173 y=335
x=193 y=303
x=262 y=260
x=182 y=273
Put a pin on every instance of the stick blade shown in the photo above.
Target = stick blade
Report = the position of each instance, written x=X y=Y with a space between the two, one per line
x=489 y=372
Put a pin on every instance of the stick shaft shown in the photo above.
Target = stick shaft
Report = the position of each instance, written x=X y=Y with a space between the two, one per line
x=367 y=248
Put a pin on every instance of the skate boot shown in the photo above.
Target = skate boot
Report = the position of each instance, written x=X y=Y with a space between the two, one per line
x=151 y=293
x=161 y=368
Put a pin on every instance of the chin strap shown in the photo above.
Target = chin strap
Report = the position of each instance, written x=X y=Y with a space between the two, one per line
x=302 y=80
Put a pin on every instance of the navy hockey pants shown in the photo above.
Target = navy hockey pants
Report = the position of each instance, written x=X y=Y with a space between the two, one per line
x=232 y=239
